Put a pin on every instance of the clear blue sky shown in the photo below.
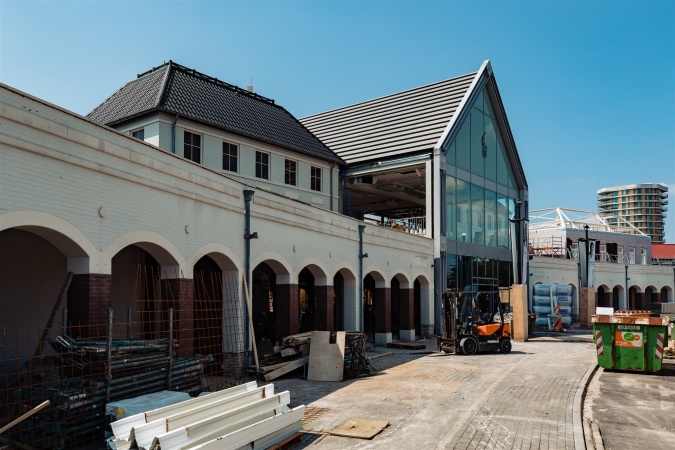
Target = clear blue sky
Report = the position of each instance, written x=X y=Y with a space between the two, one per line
x=589 y=87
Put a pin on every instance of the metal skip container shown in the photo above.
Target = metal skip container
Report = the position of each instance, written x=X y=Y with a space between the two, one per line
x=630 y=342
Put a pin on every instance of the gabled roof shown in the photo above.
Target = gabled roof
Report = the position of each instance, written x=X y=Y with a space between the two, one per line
x=407 y=122
x=176 y=89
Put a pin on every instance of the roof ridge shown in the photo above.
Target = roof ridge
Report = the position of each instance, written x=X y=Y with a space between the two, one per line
x=214 y=80
x=388 y=95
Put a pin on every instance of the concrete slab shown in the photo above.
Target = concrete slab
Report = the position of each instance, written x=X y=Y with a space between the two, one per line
x=634 y=410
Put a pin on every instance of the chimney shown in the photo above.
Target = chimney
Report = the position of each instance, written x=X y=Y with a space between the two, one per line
x=249 y=88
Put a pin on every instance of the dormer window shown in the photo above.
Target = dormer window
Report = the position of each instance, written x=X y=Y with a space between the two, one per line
x=139 y=134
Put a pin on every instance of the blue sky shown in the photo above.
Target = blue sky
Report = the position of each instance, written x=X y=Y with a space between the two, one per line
x=589 y=87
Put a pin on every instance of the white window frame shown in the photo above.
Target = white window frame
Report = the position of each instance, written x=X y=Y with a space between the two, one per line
x=269 y=157
x=312 y=178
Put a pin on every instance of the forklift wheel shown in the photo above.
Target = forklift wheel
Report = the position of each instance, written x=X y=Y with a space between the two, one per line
x=469 y=346
x=505 y=345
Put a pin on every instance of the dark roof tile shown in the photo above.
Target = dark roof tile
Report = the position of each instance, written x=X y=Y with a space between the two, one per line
x=179 y=90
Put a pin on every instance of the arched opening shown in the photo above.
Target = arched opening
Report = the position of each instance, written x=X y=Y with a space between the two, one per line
x=635 y=298
x=617 y=297
x=417 y=307
x=369 y=306
x=338 y=302
x=306 y=301
x=347 y=308
x=667 y=294
x=208 y=312
x=426 y=307
x=264 y=308
x=602 y=297
x=32 y=273
x=135 y=292
x=651 y=297
x=395 y=315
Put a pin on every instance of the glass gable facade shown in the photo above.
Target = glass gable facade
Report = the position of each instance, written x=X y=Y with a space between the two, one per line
x=477 y=214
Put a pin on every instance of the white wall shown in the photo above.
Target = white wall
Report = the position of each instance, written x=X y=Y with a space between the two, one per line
x=106 y=191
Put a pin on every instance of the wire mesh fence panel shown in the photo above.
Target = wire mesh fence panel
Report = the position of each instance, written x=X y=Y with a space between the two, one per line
x=170 y=338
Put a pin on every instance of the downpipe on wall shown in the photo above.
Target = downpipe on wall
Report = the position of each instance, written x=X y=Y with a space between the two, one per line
x=361 y=256
x=248 y=196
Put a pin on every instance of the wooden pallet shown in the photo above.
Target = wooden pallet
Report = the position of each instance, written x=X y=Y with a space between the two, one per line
x=407 y=345
x=290 y=442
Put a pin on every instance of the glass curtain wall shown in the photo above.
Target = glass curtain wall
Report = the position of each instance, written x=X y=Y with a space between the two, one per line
x=473 y=213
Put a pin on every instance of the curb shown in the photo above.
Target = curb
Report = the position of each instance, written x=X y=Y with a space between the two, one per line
x=581 y=438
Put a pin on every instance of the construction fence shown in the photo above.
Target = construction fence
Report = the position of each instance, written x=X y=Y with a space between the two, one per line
x=152 y=346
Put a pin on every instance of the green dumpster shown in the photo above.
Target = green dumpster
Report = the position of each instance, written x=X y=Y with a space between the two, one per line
x=630 y=342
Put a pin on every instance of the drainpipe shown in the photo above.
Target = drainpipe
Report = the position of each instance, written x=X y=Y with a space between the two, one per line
x=331 y=186
x=627 y=293
x=173 y=135
x=361 y=256
x=248 y=196
x=344 y=180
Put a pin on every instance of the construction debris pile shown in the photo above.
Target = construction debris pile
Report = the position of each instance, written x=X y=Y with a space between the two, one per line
x=294 y=351
x=245 y=415
x=86 y=374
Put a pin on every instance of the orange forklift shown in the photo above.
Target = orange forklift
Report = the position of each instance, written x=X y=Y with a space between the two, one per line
x=470 y=325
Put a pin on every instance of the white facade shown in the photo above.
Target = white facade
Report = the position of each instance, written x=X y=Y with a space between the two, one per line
x=90 y=192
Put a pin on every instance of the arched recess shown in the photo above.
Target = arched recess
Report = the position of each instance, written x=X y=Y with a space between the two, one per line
x=162 y=250
x=635 y=298
x=315 y=298
x=81 y=255
x=424 y=307
x=603 y=296
x=667 y=294
x=376 y=304
x=347 y=310
x=401 y=308
x=32 y=273
x=274 y=300
x=619 y=298
x=651 y=296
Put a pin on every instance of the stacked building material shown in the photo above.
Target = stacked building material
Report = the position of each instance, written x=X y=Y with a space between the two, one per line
x=228 y=419
x=293 y=353
x=92 y=373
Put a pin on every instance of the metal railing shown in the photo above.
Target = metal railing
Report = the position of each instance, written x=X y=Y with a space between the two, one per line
x=412 y=225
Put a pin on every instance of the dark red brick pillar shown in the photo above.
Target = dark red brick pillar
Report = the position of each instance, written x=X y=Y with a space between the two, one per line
x=656 y=297
x=382 y=310
x=88 y=299
x=181 y=292
x=324 y=308
x=407 y=309
x=609 y=299
x=286 y=310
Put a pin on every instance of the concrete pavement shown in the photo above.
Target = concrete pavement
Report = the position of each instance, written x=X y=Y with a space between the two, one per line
x=634 y=410
x=521 y=400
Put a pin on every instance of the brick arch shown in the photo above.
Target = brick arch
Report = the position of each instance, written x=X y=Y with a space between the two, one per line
x=668 y=291
x=81 y=254
x=378 y=275
x=403 y=280
x=278 y=263
x=223 y=256
x=318 y=270
x=161 y=248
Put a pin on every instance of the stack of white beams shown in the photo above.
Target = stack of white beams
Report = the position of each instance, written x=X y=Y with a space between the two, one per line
x=242 y=417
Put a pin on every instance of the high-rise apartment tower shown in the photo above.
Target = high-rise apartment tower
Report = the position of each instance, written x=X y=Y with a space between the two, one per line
x=643 y=205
